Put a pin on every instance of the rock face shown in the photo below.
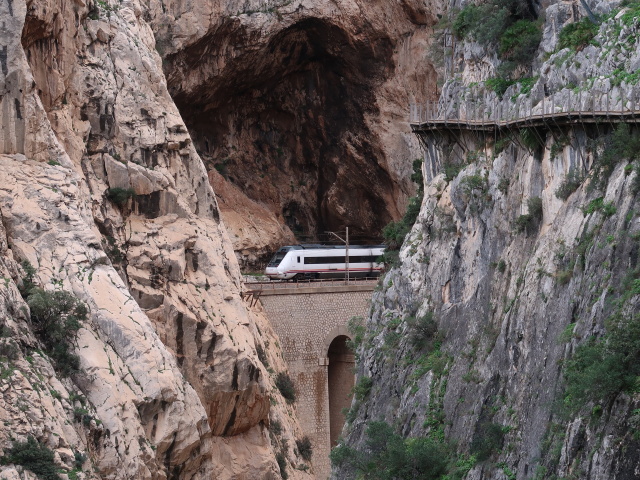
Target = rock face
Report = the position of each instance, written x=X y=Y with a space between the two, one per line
x=514 y=296
x=302 y=105
x=105 y=196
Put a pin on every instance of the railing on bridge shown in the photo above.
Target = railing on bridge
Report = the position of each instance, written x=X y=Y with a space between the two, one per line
x=255 y=289
x=274 y=284
x=615 y=105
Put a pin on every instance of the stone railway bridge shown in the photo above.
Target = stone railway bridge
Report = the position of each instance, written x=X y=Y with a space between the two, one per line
x=311 y=321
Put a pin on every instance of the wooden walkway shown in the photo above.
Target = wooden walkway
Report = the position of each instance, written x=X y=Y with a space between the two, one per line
x=573 y=108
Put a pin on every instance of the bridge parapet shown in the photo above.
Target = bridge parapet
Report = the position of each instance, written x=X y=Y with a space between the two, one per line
x=299 y=289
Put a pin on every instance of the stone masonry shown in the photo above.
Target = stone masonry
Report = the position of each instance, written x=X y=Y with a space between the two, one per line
x=307 y=320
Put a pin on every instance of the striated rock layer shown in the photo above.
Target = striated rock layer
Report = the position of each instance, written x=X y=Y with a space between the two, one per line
x=514 y=293
x=104 y=194
x=302 y=106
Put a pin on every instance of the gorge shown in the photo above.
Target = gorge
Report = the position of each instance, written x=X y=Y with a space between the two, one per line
x=153 y=151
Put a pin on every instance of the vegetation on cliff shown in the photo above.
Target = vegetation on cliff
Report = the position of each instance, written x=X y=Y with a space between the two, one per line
x=533 y=371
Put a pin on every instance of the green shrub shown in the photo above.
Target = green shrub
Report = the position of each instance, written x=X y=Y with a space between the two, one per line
x=275 y=427
x=598 y=204
x=416 y=176
x=473 y=183
x=282 y=464
x=535 y=207
x=422 y=330
x=262 y=356
x=570 y=184
x=506 y=25
x=520 y=41
x=500 y=145
x=28 y=281
x=56 y=318
x=286 y=387
x=357 y=330
x=635 y=185
x=81 y=414
x=603 y=367
x=564 y=276
x=487 y=439
x=451 y=170
x=503 y=185
x=304 y=448
x=531 y=139
x=567 y=333
x=33 y=456
x=395 y=232
x=362 y=389
x=350 y=414
x=632 y=13
x=527 y=223
x=466 y=20
x=577 y=35
x=487 y=22
x=499 y=85
x=9 y=350
x=527 y=84
x=79 y=459
x=622 y=144
x=386 y=456
x=120 y=196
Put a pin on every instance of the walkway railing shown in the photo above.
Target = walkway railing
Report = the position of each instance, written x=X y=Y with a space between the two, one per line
x=566 y=106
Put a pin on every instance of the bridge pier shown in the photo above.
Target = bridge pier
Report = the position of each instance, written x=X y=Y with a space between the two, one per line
x=311 y=323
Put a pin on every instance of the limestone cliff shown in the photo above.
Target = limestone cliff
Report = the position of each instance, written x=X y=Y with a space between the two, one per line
x=301 y=105
x=521 y=264
x=103 y=193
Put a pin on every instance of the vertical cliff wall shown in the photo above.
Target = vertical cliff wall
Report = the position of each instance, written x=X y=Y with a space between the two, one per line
x=104 y=196
x=493 y=340
x=301 y=107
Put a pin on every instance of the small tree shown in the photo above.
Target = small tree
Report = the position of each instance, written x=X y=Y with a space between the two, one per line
x=285 y=385
x=527 y=223
x=56 y=318
x=120 y=196
x=304 y=448
x=34 y=457
x=423 y=330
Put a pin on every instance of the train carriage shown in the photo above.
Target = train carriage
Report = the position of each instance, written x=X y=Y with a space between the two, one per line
x=324 y=261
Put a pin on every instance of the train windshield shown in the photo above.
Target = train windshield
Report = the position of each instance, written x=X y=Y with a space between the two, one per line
x=277 y=258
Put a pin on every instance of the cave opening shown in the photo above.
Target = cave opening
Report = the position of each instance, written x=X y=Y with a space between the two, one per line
x=286 y=123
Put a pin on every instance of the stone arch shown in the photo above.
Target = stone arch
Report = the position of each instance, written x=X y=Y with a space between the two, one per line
x=333 y=333
x=340 y=380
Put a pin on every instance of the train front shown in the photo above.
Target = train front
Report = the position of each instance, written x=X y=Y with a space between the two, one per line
x=275 y=269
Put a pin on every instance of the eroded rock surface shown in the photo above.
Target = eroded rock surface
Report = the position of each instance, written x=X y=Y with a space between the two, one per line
x=515 y=294
x=302 y=105
x=103 y=193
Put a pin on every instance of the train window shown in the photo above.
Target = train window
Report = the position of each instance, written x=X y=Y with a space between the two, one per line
x=352 y=259
x=298 y=259
x=277 y=258
x=323 y=260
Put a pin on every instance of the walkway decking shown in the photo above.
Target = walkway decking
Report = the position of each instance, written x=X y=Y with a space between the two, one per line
x=566 y=108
